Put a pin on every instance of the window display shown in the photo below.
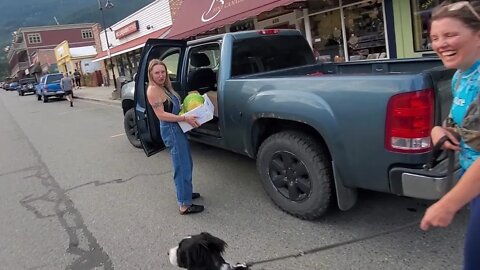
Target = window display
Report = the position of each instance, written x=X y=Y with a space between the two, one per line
x=421 y=15
x=362 y=34
x=327 y=36
x=365 y=31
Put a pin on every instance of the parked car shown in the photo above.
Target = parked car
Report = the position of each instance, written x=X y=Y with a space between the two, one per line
x=319 y=132
x=26 y=86
x=49 y=87
x=13 y=86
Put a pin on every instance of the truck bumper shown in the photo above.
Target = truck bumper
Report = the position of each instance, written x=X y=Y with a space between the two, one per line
x=421 y=183
x=52 y=94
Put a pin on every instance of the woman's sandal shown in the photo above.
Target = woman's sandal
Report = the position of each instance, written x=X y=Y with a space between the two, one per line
x=192 y=209
x=195 y=195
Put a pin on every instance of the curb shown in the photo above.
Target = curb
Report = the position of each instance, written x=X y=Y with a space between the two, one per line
x=111 y=102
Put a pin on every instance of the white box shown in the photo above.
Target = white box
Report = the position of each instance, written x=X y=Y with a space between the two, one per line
x=204 y=113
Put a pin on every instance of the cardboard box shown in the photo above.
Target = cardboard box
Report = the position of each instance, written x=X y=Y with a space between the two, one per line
x=212 y=95
x=204 y=114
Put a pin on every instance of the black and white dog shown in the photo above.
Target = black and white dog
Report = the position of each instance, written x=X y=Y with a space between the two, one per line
x=201 y=252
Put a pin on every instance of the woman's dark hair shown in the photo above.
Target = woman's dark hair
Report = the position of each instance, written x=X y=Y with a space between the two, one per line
x=464 y=11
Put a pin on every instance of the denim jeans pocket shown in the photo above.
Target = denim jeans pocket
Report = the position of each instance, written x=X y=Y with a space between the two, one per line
x=168 y=137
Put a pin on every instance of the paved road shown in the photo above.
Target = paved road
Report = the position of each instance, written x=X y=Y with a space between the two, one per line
x=75 y=195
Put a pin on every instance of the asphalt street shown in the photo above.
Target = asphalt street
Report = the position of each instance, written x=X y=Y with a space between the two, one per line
x=74 y=194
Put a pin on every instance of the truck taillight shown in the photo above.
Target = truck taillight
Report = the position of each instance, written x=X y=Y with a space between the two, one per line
x=409 y=122
x=269 y=31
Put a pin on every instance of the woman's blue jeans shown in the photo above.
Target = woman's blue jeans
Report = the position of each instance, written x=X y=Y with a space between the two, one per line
x=177 y=144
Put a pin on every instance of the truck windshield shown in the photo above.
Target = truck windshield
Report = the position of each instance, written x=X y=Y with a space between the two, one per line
x=268 y=53
x=54 y=78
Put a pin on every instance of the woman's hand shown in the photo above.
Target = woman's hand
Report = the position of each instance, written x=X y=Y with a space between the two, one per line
x=438 y=132
x=191 y=120
x=440 y=214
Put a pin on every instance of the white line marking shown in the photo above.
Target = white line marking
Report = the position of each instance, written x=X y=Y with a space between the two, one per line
x=118 y=135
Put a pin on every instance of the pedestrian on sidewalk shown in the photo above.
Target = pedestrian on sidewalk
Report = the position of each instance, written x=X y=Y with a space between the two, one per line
x=66 y=83
x=77 y=77
x=166 y=106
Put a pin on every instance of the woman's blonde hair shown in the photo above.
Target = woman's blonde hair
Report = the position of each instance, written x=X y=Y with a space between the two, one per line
x=167 y=86
x=466 y=12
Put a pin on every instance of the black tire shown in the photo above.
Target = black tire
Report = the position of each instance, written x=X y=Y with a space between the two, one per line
x=45 y=99
x=39 y=97
x=296 y=174
x=130 y=127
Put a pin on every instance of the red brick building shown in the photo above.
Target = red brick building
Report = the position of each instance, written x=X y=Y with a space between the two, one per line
x=32 y=49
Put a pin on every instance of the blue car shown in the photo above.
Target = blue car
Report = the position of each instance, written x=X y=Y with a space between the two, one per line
x=49 y=86
x=13 y=86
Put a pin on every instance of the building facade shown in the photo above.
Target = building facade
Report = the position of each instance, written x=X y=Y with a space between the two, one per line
x=127 y=37
x=32 y=47
x=337 y=30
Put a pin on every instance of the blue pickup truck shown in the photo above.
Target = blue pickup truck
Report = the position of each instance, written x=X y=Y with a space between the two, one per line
x=318 y=131
x=49 y=86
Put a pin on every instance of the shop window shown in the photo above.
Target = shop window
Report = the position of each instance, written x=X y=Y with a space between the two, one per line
x=365 y=31
x=34 y=38
x=327 y=36
x=322 y=5
x=242 y=26
x=421 y=16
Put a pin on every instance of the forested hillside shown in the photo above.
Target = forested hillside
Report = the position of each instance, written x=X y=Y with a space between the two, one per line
x=25 y=13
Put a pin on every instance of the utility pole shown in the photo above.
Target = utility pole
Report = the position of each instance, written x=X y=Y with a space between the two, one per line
x=108 y=5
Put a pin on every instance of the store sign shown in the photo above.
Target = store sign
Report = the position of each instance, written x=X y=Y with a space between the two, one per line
x=127 y=30
x=216 y=7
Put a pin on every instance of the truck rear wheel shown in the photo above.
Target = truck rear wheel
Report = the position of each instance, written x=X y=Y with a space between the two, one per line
x=130 y=127
x=296 y=174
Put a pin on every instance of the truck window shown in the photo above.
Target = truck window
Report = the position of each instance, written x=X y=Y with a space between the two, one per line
x=203 y=65
x=269 y=53
x=171 y=61
x=54 y=78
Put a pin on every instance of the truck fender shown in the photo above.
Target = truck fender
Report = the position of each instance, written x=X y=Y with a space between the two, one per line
x=311 y=110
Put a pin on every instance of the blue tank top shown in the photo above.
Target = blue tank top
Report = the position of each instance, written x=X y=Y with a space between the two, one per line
x=465 y=92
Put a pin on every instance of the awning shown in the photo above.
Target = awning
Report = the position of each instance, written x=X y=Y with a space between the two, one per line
x=131 y=45
x=198 y=16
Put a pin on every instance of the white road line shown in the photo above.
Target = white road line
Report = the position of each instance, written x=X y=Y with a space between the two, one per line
x=118 y=135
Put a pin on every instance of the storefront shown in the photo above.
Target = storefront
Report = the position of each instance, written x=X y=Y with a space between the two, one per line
x=127 y=37
x=348 y=30
x=337 y=30
x=197 y=18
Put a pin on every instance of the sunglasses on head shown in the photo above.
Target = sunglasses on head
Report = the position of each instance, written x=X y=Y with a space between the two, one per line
x=459 y=5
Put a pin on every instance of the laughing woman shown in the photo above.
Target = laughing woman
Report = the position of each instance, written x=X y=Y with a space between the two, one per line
x=455 y=35
x=166 y=105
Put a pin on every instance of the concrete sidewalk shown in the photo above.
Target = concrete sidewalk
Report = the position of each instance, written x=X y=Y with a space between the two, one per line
x=100 y=94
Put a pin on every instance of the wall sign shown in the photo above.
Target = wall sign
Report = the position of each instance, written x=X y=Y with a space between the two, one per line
x=127 y=30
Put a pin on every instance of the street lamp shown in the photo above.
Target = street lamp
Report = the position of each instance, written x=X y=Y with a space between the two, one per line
x=108 y=4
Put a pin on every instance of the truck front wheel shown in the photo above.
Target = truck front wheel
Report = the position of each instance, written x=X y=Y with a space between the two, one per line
x=296 y=174
x=130 y=127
